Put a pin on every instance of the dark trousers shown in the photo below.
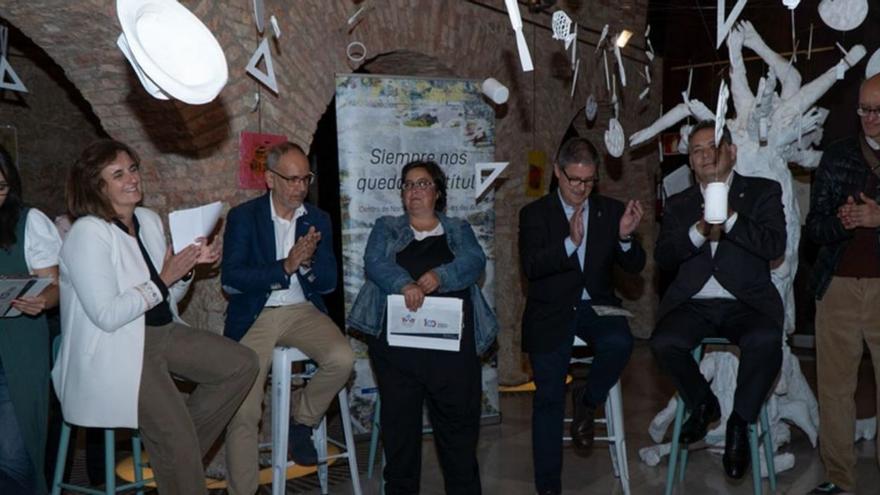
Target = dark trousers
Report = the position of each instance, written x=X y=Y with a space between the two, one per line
x=450 y=384
x=757 y=335
x=611 y=342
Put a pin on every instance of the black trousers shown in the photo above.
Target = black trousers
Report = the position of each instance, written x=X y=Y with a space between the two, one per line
x=757 y=335
x=450 y=384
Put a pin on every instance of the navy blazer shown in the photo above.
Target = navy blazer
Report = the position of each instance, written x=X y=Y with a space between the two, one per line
x=741 y=263
x=556 y=280
x=250 y=271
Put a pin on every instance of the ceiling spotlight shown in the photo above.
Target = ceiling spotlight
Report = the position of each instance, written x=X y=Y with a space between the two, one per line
x=623 y=38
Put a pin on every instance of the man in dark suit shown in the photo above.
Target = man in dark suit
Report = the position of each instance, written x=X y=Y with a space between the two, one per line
x=569 y=241
x=277 y=261
x=722 y=289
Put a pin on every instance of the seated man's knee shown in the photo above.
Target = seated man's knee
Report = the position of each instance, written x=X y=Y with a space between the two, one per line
x=341 y=358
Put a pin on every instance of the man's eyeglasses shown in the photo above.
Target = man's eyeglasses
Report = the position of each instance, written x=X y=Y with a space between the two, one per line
x=420 y=184
x=577 y=181
x=294 y=179
x=868 y=111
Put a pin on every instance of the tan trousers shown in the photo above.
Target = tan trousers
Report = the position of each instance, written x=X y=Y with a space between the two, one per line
x=305 y=327
x=847 y=316
x=176 y=432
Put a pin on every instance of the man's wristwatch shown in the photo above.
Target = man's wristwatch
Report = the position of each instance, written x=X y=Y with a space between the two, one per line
x=627 y=238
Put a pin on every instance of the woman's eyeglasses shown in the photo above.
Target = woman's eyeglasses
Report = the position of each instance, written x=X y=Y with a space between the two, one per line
x=420 y=184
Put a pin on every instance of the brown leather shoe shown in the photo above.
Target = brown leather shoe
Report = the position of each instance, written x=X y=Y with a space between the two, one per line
x=583 y=423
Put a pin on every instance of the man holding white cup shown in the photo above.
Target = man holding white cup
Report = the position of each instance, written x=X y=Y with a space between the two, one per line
x=722 y=288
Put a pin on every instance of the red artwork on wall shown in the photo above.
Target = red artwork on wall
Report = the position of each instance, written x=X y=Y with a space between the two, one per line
x=252 y=151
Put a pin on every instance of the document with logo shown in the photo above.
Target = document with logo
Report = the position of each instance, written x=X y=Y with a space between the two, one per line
x=12 y=287
x=436 y=325
x=188 y=225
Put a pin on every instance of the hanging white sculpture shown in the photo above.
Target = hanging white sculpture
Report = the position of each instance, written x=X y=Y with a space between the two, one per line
x=843 y=15
x=771 y=129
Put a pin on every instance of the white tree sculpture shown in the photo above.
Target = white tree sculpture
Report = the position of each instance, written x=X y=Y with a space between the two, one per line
x=771 y=129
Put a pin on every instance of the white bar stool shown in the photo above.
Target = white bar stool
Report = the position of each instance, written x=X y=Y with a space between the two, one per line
x=613 y=422
x=282 y=358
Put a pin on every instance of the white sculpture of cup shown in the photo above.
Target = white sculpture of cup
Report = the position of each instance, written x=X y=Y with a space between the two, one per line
x=715 y=200
x=495 y=91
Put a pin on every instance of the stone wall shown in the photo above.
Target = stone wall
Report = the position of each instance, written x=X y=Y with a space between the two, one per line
x=190 y=153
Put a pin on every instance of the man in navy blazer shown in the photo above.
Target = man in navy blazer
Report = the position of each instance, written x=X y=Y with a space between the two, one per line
x=722 y=288
x=569 y=242
x=277 y=262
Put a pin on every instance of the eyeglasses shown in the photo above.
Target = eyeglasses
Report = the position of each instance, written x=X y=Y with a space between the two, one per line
x=577 y=181
x=420 y=184
x=868 y=111
x=294 y=179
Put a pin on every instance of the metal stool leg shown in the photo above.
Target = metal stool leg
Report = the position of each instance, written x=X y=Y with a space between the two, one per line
x=756 y=460
x=349 y=442
x=767 y=436
x=617 y=433
x=109 y=461
x=61 y=458
x=137 y=463
x=280 y=419
x=674 y=447
x=374 y=437
x=320 y=439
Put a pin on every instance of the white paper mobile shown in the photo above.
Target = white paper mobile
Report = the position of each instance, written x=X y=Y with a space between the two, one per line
x=14 y=287
x=190 y=224
x=619 y=63
x=268 y=77
x=436 y=325
x=6 y=72
x=173 y=54
x=725 y=23
x=843 y=15
x=791 y=4
x=614 y=138
x=276 y=29
x=602 y=37
x=873 y=67
x=562 y=28
x=483 y=181
x=677 y=181
x=495 y=91
x=522 y=47
x=591 y=108
x=260 y=15
x=721 y=111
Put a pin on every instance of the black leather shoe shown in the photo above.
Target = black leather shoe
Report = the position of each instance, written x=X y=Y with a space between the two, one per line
x=583 y=422
x=737 y=456
x=300 y=445
x=694 y=429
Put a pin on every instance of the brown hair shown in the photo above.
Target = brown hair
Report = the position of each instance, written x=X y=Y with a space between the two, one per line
x=85 y=186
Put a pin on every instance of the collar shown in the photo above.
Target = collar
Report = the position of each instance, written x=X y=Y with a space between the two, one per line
x=872 y=143
x=567 y=208
x=296 y=214
x=134 y=220
x=728 y=181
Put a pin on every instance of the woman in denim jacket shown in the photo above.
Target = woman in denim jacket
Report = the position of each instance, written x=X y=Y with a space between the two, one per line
x=424 y=252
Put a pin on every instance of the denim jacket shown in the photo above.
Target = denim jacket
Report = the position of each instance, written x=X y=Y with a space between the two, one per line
x=384 y=276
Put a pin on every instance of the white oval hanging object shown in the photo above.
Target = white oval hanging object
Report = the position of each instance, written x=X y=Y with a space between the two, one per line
x=873 y=67
x=843 y=15
x=592 y=108
x=791 y=4
x=614 y=138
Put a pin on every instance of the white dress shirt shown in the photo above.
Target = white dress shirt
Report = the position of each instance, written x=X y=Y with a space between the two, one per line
x=285 y=238
x=873 y=144
x=581 y=248
x=712 y=289
x=41 y=241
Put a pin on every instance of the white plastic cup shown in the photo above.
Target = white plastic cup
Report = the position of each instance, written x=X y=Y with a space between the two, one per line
x=495 y=91
x=715 y=200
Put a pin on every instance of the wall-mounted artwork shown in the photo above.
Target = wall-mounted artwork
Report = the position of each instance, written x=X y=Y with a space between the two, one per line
x=252 y=151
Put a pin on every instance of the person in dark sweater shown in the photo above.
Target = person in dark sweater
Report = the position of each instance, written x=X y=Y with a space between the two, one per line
x=843 y=220
x=418 y=254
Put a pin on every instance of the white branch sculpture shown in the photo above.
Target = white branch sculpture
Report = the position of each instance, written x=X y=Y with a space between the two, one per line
x=770 y=129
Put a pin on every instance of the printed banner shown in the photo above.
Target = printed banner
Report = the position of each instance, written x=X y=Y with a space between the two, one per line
x=384 y=122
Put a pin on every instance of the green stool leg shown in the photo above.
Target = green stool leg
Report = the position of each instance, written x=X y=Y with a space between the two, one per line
x=136 y=463
x=61 y=458
x=756 y=460
x=682 y=464
x=109 y=462
x=374 y=438
x=767 y=436
x=674 y=447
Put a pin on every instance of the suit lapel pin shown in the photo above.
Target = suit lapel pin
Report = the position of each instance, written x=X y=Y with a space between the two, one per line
x=599 y=213
x=742 y=195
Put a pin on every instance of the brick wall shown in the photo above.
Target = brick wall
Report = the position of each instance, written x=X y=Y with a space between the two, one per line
x=190 y=152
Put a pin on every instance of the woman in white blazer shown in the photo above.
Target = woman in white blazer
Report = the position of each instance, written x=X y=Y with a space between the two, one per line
x=122 y=337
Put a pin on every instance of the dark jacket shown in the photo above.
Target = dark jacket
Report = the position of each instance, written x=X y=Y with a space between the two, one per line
x=841 y=173
x=250 y=270
x=742 y=259
x=555 y=278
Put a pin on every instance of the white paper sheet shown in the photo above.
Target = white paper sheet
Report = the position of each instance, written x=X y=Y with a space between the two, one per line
x=188 y=225
x=15 y=287
x=677 y=181
x=436 y=325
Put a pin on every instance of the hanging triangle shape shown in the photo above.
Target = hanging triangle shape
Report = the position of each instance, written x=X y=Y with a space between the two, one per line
x=724 y=24
x=268 y=77
x=483 y=183
x=15 y=83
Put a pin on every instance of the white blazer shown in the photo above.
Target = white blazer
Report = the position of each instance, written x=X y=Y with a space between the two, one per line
x=105 y=290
